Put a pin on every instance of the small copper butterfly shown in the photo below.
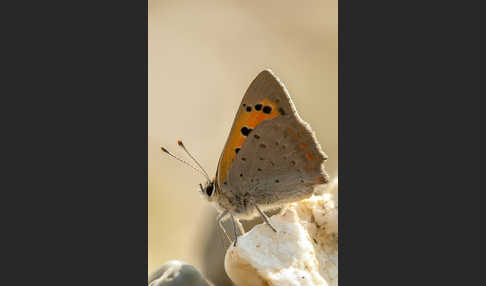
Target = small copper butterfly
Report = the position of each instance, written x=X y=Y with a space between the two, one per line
x=271 y=156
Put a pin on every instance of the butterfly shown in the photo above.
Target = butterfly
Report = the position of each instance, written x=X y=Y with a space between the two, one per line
x=271 y=157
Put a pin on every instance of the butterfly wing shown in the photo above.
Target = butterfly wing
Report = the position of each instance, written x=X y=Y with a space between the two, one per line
x=271 y=153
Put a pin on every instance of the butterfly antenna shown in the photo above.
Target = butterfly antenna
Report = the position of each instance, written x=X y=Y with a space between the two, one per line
x=179 y=142
x=184 y=162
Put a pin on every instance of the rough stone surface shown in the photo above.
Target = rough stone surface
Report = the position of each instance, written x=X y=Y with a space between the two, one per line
x=177 y=273
x=304 y=251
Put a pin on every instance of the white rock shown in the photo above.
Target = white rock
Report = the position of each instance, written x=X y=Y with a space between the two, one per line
x=304 y=251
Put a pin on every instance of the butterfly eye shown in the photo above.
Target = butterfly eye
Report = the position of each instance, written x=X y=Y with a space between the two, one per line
x=209 y=190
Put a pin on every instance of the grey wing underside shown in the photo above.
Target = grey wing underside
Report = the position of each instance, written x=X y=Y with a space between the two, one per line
x=281 y=161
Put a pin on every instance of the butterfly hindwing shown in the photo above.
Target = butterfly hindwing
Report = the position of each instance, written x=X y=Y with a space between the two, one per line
x=281 y=163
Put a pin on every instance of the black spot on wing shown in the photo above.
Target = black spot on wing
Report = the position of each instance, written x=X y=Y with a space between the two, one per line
x=267 y=109
x=245 y=131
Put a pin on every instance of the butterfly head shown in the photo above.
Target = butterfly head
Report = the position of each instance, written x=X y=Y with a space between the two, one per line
x=208 y=190
x=212 y=193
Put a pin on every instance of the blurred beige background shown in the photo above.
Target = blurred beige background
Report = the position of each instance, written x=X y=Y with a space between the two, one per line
x=202 y=57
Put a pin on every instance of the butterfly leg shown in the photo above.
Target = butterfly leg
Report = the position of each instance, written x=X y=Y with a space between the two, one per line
x=234 y=229
x=265 y=218
x=240 y=227
x=220 y=223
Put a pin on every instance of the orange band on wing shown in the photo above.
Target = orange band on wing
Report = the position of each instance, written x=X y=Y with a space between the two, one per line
x=263 y=110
